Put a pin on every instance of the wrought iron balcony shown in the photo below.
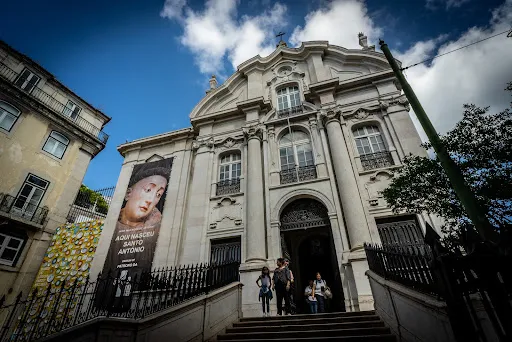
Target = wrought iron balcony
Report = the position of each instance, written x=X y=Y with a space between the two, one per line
x=19 y=208
x=298 y=174
x=283 y=113
x=230 y=186
x=55 y=105
x=376 y=160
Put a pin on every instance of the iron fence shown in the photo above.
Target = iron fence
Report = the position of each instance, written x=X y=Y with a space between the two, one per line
x=90 y=205
x=410 y=266
x=54 y=309
x=461 y=280
x=22 y=209
x=297 y=174
x=230 y=186
x=376 y=160
x=51 y=102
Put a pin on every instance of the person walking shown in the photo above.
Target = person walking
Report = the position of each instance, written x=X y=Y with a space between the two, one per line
x=310 y=297
x=281 y=284
x=293 y=307
x=264 y=282
x=320 y=286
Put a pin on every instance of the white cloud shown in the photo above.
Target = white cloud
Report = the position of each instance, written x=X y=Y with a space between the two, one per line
x=216 y=32
x=477 y=74
x=338 y=22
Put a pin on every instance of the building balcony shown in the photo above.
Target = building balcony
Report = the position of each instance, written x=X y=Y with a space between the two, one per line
x=55 y=105
x=376 y=160
x=226 y=187
x=18 y=208
x=298 y=174
x=283 y=113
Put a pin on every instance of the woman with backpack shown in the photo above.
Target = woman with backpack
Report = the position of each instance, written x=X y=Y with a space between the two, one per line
x=264 y=282
x=281 y=284
x=320 y=287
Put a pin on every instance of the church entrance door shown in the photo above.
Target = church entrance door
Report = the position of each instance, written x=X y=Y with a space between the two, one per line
x=306 y=240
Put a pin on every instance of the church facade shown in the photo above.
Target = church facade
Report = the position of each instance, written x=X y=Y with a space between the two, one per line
x=286 y=158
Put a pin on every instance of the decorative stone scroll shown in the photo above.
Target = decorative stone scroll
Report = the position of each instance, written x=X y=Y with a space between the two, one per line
x=205 y=142
x=330 y=113
x=226 y=214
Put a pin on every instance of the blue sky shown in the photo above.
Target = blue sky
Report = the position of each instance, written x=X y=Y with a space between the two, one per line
x=148 y=70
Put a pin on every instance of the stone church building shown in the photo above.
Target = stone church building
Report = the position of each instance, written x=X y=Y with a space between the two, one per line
x=286 y=158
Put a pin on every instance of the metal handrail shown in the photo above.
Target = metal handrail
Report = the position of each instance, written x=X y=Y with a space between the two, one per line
x=283 y=113
x=229 y=186
x=28 y=212
x=298 y=174
x=55 y=105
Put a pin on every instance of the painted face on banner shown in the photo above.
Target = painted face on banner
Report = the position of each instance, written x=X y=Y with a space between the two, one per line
x=142 y=197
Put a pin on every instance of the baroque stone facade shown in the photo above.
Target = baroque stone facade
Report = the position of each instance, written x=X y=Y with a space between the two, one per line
x=288 y=157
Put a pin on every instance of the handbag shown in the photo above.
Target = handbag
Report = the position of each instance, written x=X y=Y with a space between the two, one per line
x=328 y=292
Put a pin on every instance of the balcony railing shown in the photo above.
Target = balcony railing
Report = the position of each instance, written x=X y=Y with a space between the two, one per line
x=283 y=113
x=19 y=208
x=376 y=160
x=58 y=107
x=230 y=186
x=298 y=174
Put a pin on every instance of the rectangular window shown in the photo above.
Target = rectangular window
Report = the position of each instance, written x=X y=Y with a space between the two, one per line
x=56 y=144
x=8 y=116
x=287 y=160
x=30 y=195
x=225 y=250
x=72 y=110
x=27 y=80
x=10 y=248
x=400 y=231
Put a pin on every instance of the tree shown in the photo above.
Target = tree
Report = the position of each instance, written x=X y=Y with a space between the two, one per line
x=88 y=198
x=481 y=146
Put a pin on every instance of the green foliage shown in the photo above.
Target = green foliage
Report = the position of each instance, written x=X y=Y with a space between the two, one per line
x=87 y=198
x=481 y=145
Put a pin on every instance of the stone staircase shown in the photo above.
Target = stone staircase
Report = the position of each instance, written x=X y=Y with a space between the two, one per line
x=342 y=326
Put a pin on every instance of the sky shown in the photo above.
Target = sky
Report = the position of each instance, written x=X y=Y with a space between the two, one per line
x=147 y=63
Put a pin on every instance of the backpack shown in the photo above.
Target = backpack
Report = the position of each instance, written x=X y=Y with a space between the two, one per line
x=281 y=276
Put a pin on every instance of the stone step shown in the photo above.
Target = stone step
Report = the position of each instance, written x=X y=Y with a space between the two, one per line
x=265 y=335
x=367 y=338
x=308 y=316
x=312 y=319
x=321 y=325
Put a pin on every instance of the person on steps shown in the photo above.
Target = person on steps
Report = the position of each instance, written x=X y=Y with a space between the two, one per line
x=310 y=297
x=320 y=286
x=293 y=307
x=264 y=282
x=281 y=284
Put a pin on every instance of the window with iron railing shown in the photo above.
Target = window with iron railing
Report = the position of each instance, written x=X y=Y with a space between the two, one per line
x=288 y=101
x=230 y=171
x=371 y=148
x=296 y=157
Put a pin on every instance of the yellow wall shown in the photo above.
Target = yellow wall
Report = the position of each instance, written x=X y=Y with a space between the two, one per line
x=21 y=153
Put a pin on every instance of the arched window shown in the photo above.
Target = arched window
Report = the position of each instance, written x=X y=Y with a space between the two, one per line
x=288 y=101
x=8 y=116
x=56 y=144
x=371 y=148
x=295 y=150
x=230 y=171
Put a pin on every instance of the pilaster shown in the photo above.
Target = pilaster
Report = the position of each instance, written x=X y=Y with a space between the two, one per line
x=321 y=168
x=357 y=225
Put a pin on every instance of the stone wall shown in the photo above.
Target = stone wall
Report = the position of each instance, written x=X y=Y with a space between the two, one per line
x=199 y=319
x=411 y=315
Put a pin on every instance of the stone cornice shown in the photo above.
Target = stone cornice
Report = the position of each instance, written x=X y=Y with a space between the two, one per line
x=185 y=133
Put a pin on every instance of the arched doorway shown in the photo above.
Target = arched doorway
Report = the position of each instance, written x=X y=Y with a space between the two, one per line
x=306 y=239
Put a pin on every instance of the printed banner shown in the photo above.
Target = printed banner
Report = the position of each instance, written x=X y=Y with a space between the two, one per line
x=134 y=241
x=70 y=254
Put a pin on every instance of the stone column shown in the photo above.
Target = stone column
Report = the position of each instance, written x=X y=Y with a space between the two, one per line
x=317 y=148
x=255 y=230
x=345 y=178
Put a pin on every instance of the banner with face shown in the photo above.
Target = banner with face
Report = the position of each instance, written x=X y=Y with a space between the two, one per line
x=136 y=233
